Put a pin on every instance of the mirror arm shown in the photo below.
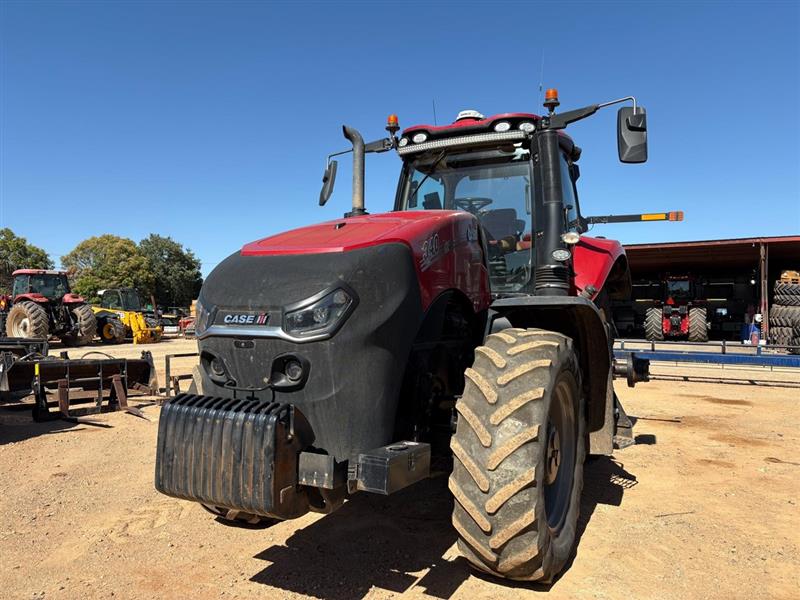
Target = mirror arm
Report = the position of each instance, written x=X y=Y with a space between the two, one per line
x=620 y=101
x=330 y=156
x=381 y=145
x=561 y=120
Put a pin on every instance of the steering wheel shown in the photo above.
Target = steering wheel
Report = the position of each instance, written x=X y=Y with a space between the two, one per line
x=472 y=204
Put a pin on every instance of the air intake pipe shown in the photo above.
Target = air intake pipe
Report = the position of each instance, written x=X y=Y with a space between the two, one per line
x=358 y=170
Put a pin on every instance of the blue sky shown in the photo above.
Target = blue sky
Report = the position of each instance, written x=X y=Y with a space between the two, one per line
x=210 y=122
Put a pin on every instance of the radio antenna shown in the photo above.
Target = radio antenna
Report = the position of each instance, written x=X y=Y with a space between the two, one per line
x=541 y=79
x=433 y=101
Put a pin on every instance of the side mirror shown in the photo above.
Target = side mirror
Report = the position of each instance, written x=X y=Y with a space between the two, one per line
x=328 y=179
x=632 y=135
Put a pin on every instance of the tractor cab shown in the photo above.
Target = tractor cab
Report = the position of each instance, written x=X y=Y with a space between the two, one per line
x=52 y=285
x=677 y=289
x=492 y=184
x=681 y=289
x=491 y=175
x=120 y=299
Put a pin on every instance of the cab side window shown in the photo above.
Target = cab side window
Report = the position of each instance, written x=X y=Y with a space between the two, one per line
x=111 y=300
x=20 y=285
x=427 y=196
x=570 y=198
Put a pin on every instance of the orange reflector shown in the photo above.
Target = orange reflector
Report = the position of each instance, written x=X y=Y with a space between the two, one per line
x=654 y=217
x=676 y=215
x=551 y=94
x=392 y=121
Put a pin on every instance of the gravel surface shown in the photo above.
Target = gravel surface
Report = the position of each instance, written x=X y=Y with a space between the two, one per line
x=703 y=506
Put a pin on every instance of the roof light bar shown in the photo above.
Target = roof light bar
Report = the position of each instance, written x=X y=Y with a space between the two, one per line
x=464 y=140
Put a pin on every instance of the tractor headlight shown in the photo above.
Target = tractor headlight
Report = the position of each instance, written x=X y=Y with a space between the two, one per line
x=202 y=318
x=321 y=316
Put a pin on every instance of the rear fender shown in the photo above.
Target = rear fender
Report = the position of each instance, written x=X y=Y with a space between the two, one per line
x=32 y=297
x=577 y=318
x=602 y=264
x=73 y=299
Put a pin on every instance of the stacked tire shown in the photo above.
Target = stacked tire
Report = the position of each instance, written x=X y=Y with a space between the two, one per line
x=784 y=315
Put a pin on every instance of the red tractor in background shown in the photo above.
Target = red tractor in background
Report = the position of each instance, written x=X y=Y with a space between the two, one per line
x=42 y=304
x=471 y=321
x=680 y=314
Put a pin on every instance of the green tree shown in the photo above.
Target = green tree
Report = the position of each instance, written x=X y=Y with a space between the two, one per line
x=108 y=261
x=176 y=270
x=17 y=253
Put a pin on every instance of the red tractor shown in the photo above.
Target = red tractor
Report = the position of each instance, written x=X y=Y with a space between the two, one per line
x=679 y=315
x=472 y=321
x=41 y=304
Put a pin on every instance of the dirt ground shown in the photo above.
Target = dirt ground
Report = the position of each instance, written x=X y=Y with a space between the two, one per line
x=705 y=505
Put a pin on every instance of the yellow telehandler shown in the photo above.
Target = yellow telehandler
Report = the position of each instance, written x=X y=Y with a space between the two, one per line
x=124 y=303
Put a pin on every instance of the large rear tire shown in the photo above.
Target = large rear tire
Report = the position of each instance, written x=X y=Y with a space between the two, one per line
x=518 y=455
x=87 y=327
x=653 y=324
x=698 y=325
x=27 y=319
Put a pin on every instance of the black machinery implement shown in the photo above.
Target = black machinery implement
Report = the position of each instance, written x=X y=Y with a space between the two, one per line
x=25 y=369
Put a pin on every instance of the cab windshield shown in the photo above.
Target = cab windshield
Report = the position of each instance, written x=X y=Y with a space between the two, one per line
x=51 y=286
x=495 y=186
x=130 y=300
x=678 y=288
x=124 y=299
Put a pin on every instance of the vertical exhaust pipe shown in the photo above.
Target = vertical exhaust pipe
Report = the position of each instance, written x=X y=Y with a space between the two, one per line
x=358 y=170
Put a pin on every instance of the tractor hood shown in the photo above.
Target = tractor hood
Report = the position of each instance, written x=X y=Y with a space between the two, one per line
x=351 y=233
x=245 y=334
x=254 y=305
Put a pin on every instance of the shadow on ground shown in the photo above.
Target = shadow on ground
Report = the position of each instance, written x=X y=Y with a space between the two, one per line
x=381 y=542
x=17 y=424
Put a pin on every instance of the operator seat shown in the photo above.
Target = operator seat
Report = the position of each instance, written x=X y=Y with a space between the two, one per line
x=502 y=223
x=432 y=201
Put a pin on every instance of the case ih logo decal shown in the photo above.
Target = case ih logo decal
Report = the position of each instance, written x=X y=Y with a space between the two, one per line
x=245 y=319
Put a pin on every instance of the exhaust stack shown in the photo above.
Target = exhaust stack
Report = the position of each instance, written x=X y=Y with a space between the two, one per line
x=358 y=170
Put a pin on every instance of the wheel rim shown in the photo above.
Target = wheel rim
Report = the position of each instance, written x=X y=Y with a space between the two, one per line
x=108 y=331
x=20 y=327
x=560 y=450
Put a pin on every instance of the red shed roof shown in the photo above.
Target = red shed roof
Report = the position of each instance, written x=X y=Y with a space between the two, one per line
x=711 y=253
